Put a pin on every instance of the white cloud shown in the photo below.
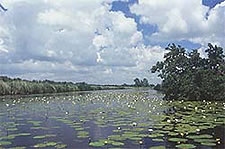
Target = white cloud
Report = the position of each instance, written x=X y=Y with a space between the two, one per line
x=182 y=20
x=71 y=40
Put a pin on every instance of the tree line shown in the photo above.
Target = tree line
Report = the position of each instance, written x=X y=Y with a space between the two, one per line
x=18 y=86
x=187 y=75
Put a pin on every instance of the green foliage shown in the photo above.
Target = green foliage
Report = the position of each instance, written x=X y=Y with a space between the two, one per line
x=189 y=76
x=17 y=86
x=141 y=83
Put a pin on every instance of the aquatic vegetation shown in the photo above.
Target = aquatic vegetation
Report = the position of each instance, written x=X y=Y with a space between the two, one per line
x=204 y=140
x=45 y=144
x=177 y=140
x=61 y=146
x=112 y=120
x=35 y=123
x=135 y=138
x=18 y=148
x=208 y=144
x=5 y=143
x=200 y=136
x=39 y=128
x=185 y=146
x=117 y=137
x=12 y=129
x=158 y=147
x=45 y=136
x=82 y=134
x=12 y=136
x=158 y=140
x=117 y=143
x=97 y=144
x=155 y=135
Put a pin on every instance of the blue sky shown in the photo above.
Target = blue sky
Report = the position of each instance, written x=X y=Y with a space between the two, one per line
x=148 y=29
x=102 y=41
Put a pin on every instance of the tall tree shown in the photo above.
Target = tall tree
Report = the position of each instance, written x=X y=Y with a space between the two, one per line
x=188 y=76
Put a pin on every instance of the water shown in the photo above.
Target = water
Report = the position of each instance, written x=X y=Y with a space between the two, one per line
x=110 y=119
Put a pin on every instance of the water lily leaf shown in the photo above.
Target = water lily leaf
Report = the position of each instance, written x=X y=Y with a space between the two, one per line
x=185 y=146
x=200 y=136
x=204 y=140
x=157 y=140
x=177 y=140
x=82 y=134
x=158 y=147
x=44 y=136
x=173 y=134
x=208 y=144
x=135 y=138
x=60 y=146
x=97 y=144
x=45 y=144
x=156 y=135
x=5 y=143
x=117 y=143
x=17 y=148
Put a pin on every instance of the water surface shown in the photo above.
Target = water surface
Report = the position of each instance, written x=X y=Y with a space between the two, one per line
x=110 y=119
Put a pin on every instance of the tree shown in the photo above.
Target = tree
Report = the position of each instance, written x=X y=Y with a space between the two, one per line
x=137 y=82
x=188 y=76
x=145 y=83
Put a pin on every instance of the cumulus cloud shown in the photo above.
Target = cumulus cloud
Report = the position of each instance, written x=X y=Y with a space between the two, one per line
x=72 y=40
x=84 y=40
x=183 y=20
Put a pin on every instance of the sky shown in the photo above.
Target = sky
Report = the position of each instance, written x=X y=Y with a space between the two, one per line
x=102 y=41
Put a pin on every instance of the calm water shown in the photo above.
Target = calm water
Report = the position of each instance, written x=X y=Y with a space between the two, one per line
x=110 y=119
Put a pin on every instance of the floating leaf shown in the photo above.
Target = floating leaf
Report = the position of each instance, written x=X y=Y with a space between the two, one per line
x=177 y=140
x=44 y=136
x=199 y=136
x=208 y=144
x=158 y=147
x=117 y=143
x=97 y=144
x=185 y=146
x=204 y=140
x=60 y=146
x=157 y=140
x=5 y=143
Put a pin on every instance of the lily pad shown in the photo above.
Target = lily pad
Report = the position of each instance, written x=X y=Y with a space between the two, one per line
x=204 y=140
x=199 y=136
x=158 y=147
x=82 y=134
x=44 y=136
x=177 y=140
x=5 y=143
x=97 y=144
x=60 y=146
x=17 y=148
x=45 y=144
x=185 y=146
x=208 y=144
x=117 y=143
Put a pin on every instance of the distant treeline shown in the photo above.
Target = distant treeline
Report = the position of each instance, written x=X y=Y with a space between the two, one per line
x=17 y=86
